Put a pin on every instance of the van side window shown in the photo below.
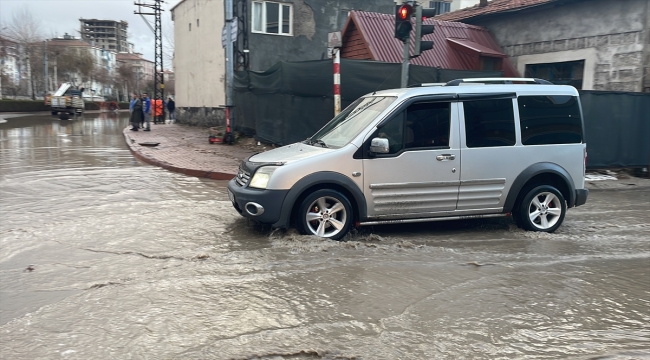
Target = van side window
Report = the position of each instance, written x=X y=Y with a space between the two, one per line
x=489 y=123
x=550 y=120
x=427 y=125
x=393 y=130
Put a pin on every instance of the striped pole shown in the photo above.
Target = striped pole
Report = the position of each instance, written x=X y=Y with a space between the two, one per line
x=337 y=81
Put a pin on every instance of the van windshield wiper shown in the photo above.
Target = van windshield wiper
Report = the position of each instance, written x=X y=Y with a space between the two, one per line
x=319 y=142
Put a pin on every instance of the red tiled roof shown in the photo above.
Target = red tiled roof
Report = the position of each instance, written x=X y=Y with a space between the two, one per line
x=378 y=31
x=129 y=56
x=493 y=7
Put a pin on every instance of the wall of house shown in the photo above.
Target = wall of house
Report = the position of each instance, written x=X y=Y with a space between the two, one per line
x=199 y=59
x=312 y=20
x=354 y=45
x=461 y=4
x=610 y=36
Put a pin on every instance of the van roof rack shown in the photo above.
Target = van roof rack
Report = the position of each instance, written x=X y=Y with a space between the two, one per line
x=502 y=80
x=427 y=84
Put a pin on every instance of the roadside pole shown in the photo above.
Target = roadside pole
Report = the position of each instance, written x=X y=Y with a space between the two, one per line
x=337 y=81
x=46 y=79
x=230 y=70
x=334 y=45
x=403 y=27
x=405 y=63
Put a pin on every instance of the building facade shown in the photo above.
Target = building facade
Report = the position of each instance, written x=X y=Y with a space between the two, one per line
x=98 y=82
x=143 y=69
x=10 y=74
x=445 y=6
x=105 y=34
x=270 y=31
x=590 y=44
x=199 y=58
x=296 y=30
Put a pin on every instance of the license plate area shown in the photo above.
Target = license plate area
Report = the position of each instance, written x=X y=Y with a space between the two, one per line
x=231 y=196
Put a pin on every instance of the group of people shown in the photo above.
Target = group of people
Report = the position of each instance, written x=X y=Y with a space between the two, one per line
x=141 y=109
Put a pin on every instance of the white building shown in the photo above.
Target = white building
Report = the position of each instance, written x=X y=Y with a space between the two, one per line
x=99 y=83
x=10 y=65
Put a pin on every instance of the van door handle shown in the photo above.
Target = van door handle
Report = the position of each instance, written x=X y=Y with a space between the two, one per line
x=444 y=157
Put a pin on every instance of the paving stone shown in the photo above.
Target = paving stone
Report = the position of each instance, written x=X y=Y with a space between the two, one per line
x=186 y=149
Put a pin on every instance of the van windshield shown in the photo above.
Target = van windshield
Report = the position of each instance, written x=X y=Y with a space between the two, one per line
x=350 y=122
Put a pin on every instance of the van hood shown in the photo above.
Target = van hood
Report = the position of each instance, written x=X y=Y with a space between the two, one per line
x=289 y=153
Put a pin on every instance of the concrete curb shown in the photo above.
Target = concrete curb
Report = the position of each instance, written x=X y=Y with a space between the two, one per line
x=134 y=147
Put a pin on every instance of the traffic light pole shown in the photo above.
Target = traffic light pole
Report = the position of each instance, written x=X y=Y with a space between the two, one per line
x=405 y=63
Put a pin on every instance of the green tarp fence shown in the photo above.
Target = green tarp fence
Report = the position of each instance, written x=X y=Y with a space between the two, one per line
x=617 y=128
x=292 y=100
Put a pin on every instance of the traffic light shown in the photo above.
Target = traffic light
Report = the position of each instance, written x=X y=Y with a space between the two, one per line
x=403 y=25
x=421 y=30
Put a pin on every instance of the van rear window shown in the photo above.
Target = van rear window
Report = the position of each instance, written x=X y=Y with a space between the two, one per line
x=550 y=120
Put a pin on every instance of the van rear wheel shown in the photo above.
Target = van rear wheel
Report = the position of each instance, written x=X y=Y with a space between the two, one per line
x=325 y=213
x=542 y=209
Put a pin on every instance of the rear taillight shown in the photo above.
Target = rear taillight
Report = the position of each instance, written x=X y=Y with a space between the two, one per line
x=584 y=167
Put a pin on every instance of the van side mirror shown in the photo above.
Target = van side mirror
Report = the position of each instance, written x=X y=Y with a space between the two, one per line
x=379 y=146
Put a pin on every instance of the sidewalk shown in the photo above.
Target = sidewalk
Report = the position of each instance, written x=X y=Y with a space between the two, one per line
x=185 y=149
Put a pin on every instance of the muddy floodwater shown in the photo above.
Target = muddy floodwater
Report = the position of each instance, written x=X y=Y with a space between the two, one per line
x=105 y=257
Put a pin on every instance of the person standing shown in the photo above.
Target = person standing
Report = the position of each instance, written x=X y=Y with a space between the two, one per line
x=171 y=107
x=146 y=105
x=137 y=115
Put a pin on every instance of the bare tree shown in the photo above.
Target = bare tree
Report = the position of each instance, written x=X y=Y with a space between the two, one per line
x=126 y=76
x=75 y=62
x=25 y=30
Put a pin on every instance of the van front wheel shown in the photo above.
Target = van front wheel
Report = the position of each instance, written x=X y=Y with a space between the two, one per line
x=542 y=209
x=325 y=213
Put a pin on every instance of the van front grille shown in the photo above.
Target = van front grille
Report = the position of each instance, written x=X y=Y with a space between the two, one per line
x=242 y=177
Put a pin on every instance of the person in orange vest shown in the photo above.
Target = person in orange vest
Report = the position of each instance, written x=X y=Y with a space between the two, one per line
x=158 y=107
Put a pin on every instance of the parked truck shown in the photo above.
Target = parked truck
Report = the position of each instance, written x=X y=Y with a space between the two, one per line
x=67 y=100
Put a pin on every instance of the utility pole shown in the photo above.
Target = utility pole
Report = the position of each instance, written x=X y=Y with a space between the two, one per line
x=46 y=76
x=159 y=75
x=56 y=77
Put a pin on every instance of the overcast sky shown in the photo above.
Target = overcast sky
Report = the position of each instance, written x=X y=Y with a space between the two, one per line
x=58 y=17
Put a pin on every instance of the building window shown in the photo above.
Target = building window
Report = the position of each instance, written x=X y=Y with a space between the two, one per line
x=561 y=73
x=190 y=24
x=440 y=6
x=489 y=123
x=490 y=63
x=197 y=22
x=271 y=18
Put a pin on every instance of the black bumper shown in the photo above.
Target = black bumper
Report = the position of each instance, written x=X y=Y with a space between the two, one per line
x=581 y=196
x=270 y=200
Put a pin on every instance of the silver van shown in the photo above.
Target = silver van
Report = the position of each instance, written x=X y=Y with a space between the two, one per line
x=468 y=149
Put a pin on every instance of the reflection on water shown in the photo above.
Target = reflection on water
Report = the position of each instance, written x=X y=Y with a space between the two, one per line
x=132 y=261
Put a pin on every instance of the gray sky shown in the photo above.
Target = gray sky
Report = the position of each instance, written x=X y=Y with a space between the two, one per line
x=62 y=16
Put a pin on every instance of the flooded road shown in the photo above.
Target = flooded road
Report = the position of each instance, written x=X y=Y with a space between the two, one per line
x=134 y=262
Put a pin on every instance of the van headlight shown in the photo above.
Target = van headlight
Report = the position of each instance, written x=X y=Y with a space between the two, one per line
x=262 y=177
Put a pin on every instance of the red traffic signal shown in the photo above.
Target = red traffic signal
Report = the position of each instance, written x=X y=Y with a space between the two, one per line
x=404 y=12
x=403 y=25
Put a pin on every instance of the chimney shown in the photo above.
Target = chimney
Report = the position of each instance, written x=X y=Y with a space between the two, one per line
x=483 y=3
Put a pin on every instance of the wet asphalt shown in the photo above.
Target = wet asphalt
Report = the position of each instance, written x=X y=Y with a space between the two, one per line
x=105 y=257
